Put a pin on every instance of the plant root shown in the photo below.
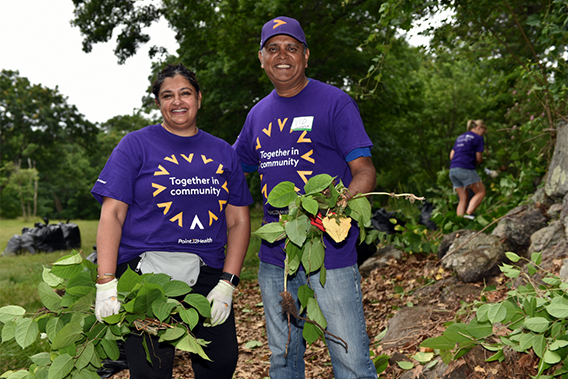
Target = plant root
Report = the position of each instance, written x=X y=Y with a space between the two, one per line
x=289 y=308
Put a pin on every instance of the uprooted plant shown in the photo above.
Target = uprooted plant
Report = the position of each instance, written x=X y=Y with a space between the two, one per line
x=78 y=344
x=325 y=207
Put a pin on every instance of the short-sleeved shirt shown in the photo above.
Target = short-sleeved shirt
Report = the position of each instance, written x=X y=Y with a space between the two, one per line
x=295 y=138
x=465 y=149
x=177 y=189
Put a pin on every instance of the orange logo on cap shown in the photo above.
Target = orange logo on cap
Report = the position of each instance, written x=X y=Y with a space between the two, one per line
x=278 y=23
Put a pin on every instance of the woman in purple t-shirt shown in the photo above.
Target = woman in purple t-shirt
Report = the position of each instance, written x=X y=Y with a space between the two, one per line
x=465 y=156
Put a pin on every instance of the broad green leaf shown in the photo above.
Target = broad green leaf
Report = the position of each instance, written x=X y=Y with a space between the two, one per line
x=297 y=229
x=85 y=355
x=323 y=275
x=271 y=232
x=381 y=363
x=189 y=316
x=313 y=255
x=80 y=285
x=558 y=307
x=9 y=331
x=41 y=359
x=20 y=374
x=553 y=281
x=482 y=313
x=173 y=334
x=536 y=258
x=11 y=313
x=539 y=345
x=61 y=367
x=497 y=313
x=149 y=293
x=305 y=293
x=405 y=365
x=496 y=357
x=68 y=335
x=188 y=343
x=315 y=313
x=53 y=327
x=310 y=205
x=537 y=324
x=551 y=357
x=200 y=303
x=440 y=343
x=67 y=271
x=49 y=298
x=157 y=278
x=51 y=279
x=512 y=256
x=84 y=303
x=455 y=333
x=294 y=256
x=175 y=288
x=531 y=269
x=162 y=308
x=529 y=306
x=128 y=281
x=111 y=349
x=558 y=344
x=26 y=332
x=478 y=329
x=69 y=260
x=282 y=195
x=317 y=183
x=253 y=344
x=526 y=341
x=311 y=332
x=360 y=210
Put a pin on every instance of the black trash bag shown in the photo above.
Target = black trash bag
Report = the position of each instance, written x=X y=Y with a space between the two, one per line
x=381 y=221
x=425 y=214
x=28 y=243
x=112 y=367
x=48 y=238
x=71 y=235
x=14 y=245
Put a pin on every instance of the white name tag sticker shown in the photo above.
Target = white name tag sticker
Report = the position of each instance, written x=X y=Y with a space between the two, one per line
x=303 y=123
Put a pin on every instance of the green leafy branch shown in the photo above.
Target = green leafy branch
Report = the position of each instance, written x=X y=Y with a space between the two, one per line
x=534 y=317
x=325 y=207
x=150 y=303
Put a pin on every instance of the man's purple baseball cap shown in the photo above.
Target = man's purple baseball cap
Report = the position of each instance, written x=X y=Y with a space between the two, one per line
x=282 y=25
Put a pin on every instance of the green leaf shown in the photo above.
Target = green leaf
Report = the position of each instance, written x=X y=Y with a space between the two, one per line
x=405 y=365
x=294 y=256
x=558 y=344
x=537 y=324
x=80 y=285
x=128 y=281
x=313 y=255
x=310 y=205
x=497 y=313
x=73 y=259
x=111 y=348
x=20 y=374
x=175 y=288
x=189 y=316
x=41 y=359
x=512 y=256
x=149 y=293
x=297 y=229
x=315 y=313
x=558 y=307
x=49 y=298
x=381 y=363
x=253 y=344
x=53 y=327
x=188 y=343
x=317 y=183
x=271 y=232
x=539 y=345
x=86 y=353
x=440 y=343
x=551 y=357
x=51 y=279
x=9 y=331
x=305 y=293
x=482 y=313
x=282 y=195
x=173 y=334
x=478 y=329
x=496 y=357
x=26 y=332
x=162 y=308
x=66 y=271
x=61 y=367
x=11 y=313
x=200 y=303
x=536 y=258
x=311 y=332
x=360 y=209
x=68 y=335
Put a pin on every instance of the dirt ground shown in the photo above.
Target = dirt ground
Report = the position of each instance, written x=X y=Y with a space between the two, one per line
x=415 y=280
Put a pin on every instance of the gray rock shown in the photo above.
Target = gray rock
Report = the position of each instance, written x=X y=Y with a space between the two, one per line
x=556 y=185
x=379 y=259
x=405 y=326
x=554 y=211
x=547 y=237
x=539 y=197
x=520 y=224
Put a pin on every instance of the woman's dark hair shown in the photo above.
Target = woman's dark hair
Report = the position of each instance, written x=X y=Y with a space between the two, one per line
x=170 y=71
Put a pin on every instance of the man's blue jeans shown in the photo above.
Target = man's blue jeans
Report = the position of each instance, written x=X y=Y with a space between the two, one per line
x=341 y=303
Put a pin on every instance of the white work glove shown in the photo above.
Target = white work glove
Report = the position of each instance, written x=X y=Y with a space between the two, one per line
x=106 y=303
x=220 y=297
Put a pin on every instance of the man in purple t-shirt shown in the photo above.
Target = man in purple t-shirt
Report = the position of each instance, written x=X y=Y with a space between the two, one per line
x=305 y=128
x=465 y=156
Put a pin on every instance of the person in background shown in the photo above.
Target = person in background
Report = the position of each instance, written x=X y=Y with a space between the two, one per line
x=179 y=194
x=466 y=154
x=302 y=129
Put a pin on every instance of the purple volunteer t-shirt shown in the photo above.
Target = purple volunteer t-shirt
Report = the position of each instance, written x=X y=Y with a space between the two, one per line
x=465 y=148
x=293 y=139
x=177 y=189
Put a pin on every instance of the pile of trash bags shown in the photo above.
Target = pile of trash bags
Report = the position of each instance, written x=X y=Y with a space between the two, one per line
x=45 y=237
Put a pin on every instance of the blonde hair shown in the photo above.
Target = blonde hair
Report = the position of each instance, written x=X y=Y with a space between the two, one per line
x=472 y=124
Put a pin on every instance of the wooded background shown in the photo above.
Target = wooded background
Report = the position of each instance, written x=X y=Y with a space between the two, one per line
x=503 y=61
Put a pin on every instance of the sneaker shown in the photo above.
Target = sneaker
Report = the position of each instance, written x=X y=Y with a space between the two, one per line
x=469 y=217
